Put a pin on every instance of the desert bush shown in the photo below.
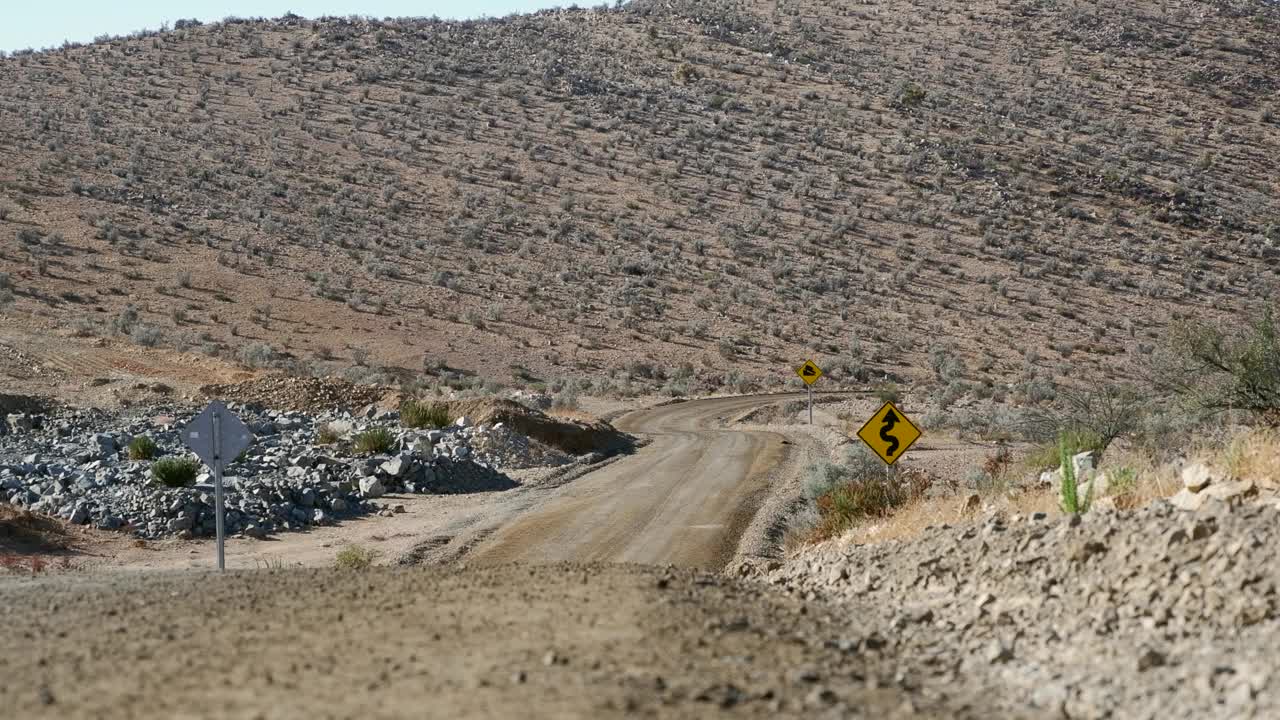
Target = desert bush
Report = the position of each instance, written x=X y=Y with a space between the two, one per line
x=258 y=355
x=1212 y=368
x=175 y=472
x=887 y=392
x=355 y=557
x=126 y=320
x=373 y=442
x=1094 y=417
x=143 y=448
x=416 y=414
x=146 y=335
x=326 y=434
x=857 y=489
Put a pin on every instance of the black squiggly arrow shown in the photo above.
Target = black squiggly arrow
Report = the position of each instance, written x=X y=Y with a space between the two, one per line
x=890 y=420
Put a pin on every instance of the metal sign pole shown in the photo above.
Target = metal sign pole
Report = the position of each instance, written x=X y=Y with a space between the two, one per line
x=217 y=487
x=810 y=404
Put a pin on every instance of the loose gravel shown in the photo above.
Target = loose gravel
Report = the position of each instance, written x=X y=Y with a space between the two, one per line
x=1157 y=613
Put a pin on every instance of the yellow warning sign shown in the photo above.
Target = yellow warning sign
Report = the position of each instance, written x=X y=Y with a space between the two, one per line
x=809 y=372
x=889 y=433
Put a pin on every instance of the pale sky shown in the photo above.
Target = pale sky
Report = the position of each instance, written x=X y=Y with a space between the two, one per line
x=44 y=24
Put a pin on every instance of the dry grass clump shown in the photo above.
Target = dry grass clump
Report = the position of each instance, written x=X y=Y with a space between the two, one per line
x=355 y=557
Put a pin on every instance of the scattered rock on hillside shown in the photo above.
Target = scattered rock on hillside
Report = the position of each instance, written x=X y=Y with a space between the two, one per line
x=298 y=393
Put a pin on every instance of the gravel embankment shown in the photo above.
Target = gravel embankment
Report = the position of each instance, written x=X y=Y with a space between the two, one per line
x=1157 y=613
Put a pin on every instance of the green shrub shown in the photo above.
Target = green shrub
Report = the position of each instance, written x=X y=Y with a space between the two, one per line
x=143 y=448
x=1213 y=368
x=355 y=557
x=175 y=472
x=1068 y=495
x=373 y=442
x=431 y=415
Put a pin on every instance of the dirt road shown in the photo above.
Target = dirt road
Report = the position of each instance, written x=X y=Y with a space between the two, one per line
x=561 y=641
x=683 y=500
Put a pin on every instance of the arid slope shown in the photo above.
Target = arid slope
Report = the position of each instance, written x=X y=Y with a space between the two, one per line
x=693 y=194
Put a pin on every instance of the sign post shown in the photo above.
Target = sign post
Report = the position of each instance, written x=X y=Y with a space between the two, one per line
x=217 y=490
x=809 y=372
x=216 y=435
x=889 y=434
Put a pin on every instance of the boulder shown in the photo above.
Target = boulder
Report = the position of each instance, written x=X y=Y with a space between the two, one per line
x=397 y=466
x=105 y=444
x=1196 y=477
x=371 y=487
x=1230 y=490
x=1184 y=499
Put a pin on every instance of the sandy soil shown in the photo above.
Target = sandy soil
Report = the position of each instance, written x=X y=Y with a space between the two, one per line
x=512 y=641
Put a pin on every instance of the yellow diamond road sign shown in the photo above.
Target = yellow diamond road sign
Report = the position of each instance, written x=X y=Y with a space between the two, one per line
x=809 y=372
x=889 y=433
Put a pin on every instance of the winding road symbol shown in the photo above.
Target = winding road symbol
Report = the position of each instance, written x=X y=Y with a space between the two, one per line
x=889 y=433
x=889 y=421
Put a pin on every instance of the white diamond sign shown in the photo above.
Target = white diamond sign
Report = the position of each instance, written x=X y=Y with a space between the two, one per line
x=232 y=437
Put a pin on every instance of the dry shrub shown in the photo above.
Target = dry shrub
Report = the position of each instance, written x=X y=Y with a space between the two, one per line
x=867 y=496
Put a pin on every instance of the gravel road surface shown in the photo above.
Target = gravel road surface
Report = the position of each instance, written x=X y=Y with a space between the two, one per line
x=684 y=500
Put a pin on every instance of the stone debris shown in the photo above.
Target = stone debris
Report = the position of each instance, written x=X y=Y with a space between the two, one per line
x=1060 y=617
x=75 y=465
x=1201 y=486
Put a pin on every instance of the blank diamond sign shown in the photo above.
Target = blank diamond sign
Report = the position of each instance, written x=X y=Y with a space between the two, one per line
x=233 y=437
x=218 y=437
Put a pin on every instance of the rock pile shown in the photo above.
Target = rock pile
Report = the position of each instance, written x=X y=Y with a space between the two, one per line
x=66 y=465
x=1201 y=485
x=1151 y=613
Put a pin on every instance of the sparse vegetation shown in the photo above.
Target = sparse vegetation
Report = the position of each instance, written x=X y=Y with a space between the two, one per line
x=373 y=442
x=175 y=472
x=1215 y=368
x=355 y=557
x=418 y=414
x=858 y=488
x=143 y=447
x=783 y=175
x=327 y=434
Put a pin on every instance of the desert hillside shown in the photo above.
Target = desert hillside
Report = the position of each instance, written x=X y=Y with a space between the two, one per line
x=675 y=194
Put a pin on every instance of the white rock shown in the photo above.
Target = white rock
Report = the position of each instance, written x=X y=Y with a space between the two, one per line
x=1196 y=476
x=463 y=422
x=1187 y=500
x=1229 y=490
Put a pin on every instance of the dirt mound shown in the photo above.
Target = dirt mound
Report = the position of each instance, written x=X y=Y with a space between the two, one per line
x=575 y=436
x=280 y=392
x=22 y=531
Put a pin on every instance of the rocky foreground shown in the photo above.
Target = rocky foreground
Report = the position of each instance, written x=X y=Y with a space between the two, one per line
x=1156 y=613
x=76 y=465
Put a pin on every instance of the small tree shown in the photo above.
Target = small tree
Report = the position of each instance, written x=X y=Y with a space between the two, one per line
x=1213 y=368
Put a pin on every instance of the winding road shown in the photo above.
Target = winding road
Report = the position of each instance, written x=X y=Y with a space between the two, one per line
x=685 y=499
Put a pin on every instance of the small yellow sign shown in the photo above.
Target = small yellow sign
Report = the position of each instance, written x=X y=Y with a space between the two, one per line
x=889 y=433
x=809 y=372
